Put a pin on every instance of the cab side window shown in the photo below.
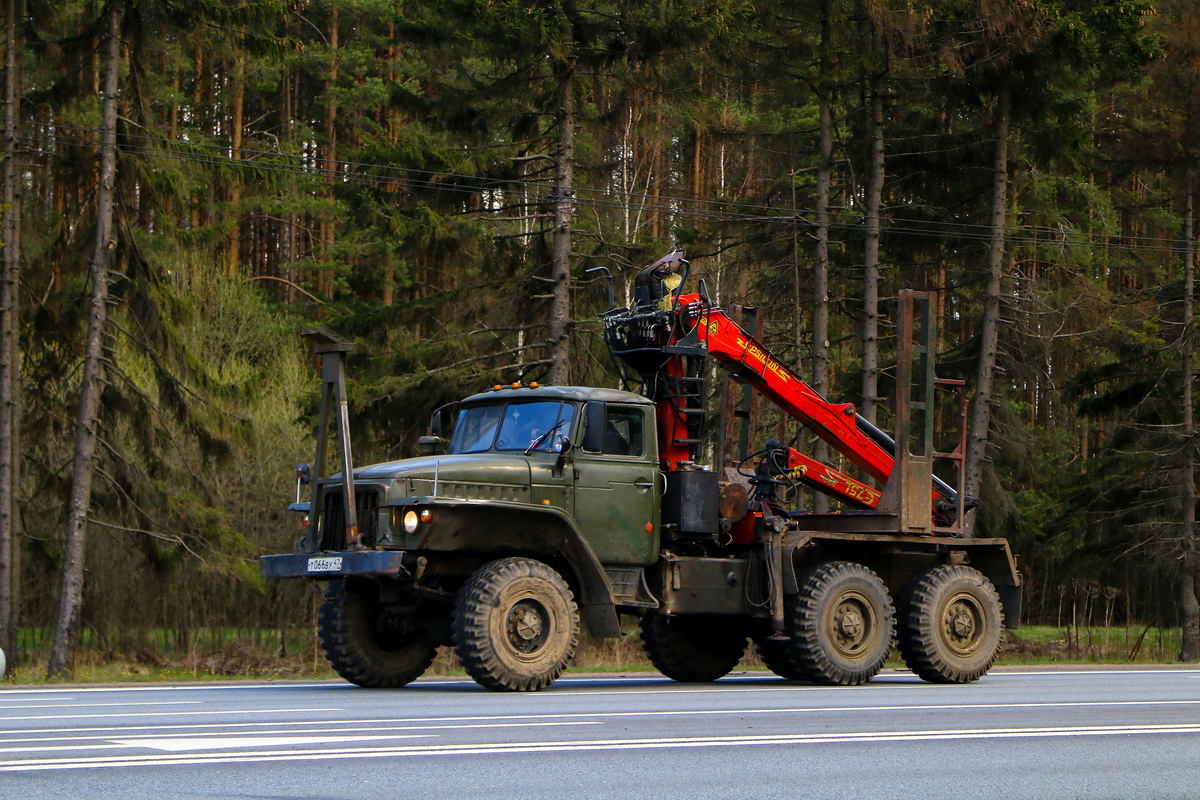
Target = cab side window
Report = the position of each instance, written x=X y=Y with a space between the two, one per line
x=623 y=432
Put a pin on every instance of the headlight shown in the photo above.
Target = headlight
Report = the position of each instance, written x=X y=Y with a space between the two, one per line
x=411 y=520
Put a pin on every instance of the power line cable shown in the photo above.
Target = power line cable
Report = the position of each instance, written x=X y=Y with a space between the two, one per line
x=302 y=165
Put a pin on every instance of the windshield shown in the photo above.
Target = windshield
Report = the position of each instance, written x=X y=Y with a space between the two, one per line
x=516 y=426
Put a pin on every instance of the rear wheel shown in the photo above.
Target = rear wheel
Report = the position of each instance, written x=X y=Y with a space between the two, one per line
x=949 y=630
x=695 y=648
x=516 y=625
x=369 y=643
x=842 y=624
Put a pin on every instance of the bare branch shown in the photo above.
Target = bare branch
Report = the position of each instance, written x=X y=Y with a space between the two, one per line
x=486 y=356
x=300 y=289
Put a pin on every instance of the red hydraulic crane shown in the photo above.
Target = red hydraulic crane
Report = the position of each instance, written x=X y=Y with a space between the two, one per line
x=666 y=337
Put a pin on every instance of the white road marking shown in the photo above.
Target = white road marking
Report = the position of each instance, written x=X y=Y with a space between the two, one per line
x=730 y=686
x=64 y=748
x=745 y=682
x=328 y=734
x=182 y=745
x=172 y=713
x=9 y=692
x=597 y=744
x=68 y=704
x=527 y=719
x=906 y=677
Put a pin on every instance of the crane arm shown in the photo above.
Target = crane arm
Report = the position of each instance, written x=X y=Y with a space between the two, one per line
x=667 y=336
x=839 y=424
x=743 y=357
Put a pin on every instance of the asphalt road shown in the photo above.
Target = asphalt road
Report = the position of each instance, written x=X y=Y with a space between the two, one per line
x=1014 y=734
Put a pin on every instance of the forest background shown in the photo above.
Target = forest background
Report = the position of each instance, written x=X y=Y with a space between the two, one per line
x=186 y=186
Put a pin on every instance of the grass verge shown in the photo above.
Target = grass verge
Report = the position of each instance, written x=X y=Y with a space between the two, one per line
x=226 y=654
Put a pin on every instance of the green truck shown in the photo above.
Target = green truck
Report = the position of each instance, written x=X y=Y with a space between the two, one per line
x=533 y=510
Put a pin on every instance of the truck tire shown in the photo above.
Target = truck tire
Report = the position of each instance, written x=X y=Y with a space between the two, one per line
x=950 y=624
x=842 y=624
x=777 y=657
x=692 y=649
x=516 y=625
x=368 y=643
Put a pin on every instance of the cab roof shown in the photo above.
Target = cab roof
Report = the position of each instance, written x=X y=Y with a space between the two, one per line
x=577 y=393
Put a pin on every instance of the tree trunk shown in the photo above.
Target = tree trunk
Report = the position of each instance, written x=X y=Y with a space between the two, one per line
x=66 y=633
x=10 y=364
x=290 y=221
x=820 y=322
x=874 y=199
x=560 y=247
x=327 y=228
x=1189 y=606
x=238 y=81
x=981 y=409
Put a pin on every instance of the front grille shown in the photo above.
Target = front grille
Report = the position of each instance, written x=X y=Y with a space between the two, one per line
x=333 y=517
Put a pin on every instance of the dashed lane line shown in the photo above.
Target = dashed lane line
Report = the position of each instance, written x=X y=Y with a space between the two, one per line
x=327 y=734
x=68 y=704
x=184 y=744
x=170 y=714
x=586 y=715
x=460 y=750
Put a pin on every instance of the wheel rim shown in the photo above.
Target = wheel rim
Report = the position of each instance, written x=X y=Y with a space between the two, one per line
x=527 y=628
x=851 y=625
x=963 y=624
x=389 y=632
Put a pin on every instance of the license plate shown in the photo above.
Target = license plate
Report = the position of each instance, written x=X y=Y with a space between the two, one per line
x=325 y=564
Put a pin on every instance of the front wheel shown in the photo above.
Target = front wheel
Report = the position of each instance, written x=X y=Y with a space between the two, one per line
x=371 y=644
x=516 y=625
x=950 y=624
x=693 y=649
x=842 y=624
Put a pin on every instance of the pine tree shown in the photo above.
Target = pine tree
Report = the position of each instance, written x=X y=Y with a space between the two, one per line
x=61 y=664
x=10 y=376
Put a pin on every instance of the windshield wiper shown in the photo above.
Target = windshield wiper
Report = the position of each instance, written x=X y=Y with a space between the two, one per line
x=541 y=440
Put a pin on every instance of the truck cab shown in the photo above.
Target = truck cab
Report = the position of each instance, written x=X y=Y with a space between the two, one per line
x=581 y=457
x=566 y=475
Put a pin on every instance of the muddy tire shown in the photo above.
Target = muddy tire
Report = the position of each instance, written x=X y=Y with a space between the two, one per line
x=693 y=649
x=777 y=657
x=516 y=625
x=950 y=624
x=842 y=624
x=368 y=643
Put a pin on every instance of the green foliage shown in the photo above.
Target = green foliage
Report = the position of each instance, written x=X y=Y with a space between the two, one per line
x=394 y=181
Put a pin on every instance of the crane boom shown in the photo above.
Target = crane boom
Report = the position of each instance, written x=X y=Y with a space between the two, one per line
x=667 y=336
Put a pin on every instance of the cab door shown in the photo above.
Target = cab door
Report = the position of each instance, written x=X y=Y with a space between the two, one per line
x=618 y=486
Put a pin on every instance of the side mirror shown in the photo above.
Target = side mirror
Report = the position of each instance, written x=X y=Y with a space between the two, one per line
x=439 y=424
x=303 y=478
x=560 y=463
x=595 y=417
x=430 y=446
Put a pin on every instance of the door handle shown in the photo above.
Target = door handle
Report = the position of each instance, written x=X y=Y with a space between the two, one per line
x=644 y=484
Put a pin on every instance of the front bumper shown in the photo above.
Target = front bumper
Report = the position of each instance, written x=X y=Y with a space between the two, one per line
x=327 y=566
